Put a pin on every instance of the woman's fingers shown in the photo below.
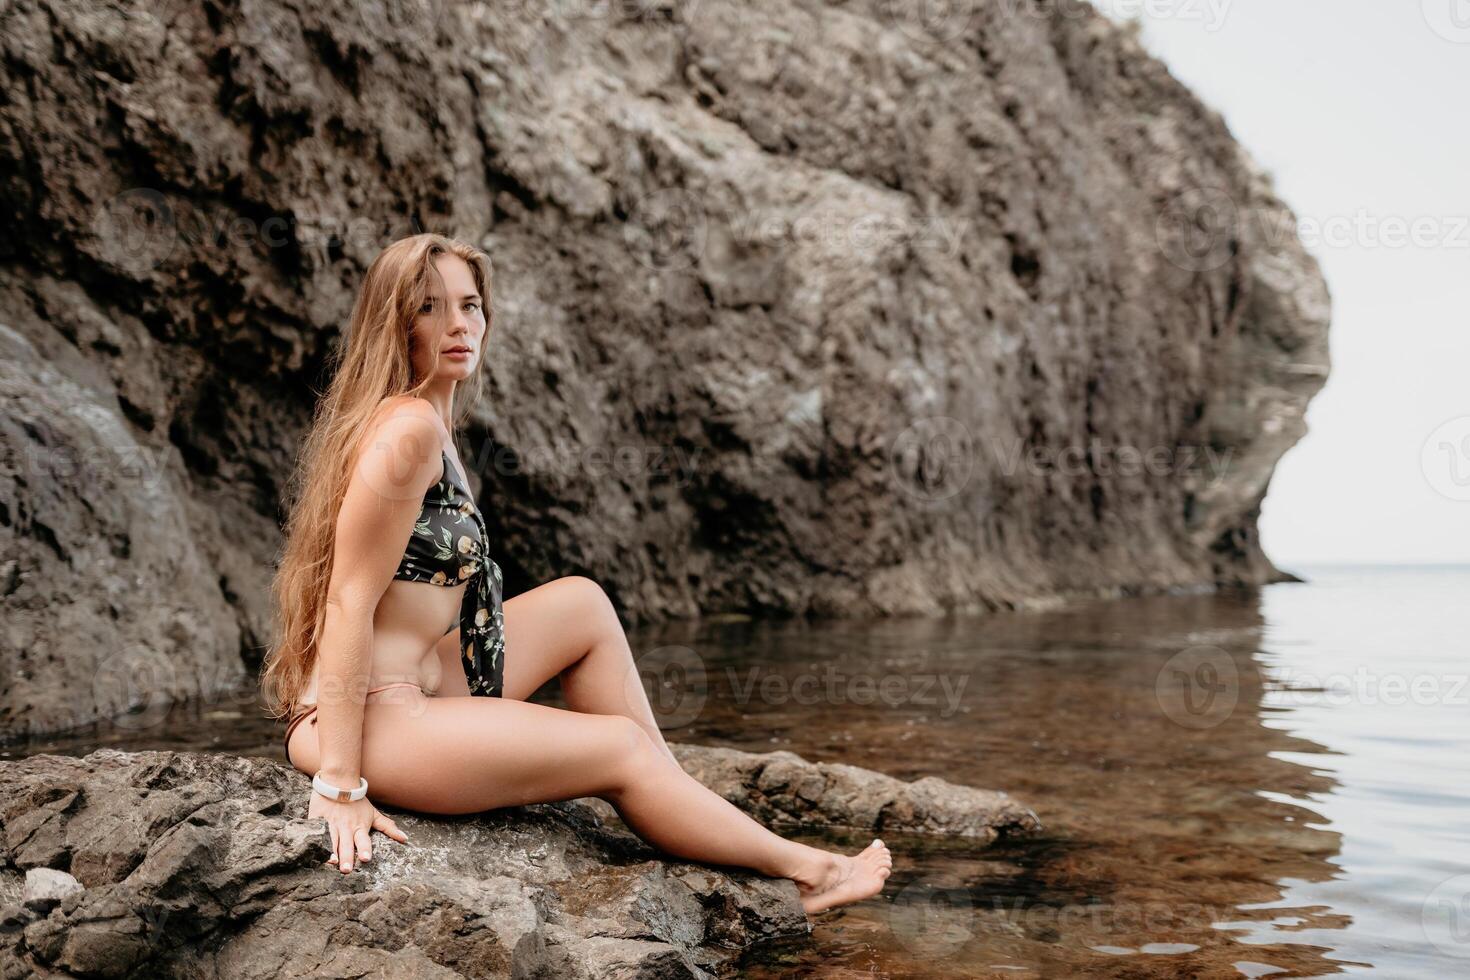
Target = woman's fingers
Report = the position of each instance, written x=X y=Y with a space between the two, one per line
x=345 y=850
x=390 y=828
x=352 y=844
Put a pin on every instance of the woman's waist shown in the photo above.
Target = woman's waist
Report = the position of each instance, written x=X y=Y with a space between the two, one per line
x=391 y=669
x=410 y=609
x=377 y=693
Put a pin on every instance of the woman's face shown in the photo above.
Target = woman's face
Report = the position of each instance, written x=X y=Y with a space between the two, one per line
x=458 y=337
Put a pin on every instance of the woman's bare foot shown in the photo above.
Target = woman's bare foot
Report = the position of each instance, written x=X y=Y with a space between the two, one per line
x=840 y=880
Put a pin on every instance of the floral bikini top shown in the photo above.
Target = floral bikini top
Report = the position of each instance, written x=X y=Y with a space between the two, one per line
x=447 y=547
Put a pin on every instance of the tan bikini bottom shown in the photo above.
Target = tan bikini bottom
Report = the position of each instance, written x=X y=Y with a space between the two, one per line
x=301 y=716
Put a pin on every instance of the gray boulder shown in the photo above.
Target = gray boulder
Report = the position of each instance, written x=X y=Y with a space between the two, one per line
x=187 y=864
x=783 y=789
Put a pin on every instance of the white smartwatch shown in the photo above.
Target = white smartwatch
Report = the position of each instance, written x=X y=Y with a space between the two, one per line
x=339 y=795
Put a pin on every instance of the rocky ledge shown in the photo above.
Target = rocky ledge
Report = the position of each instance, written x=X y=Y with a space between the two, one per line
x=121 y=864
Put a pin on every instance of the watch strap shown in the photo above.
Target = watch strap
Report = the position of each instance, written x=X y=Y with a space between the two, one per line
x=339 y=795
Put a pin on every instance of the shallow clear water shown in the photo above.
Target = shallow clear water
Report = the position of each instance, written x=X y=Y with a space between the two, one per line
x=1230 y=785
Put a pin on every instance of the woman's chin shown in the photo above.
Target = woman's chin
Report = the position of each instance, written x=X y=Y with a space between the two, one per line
x=455 y=372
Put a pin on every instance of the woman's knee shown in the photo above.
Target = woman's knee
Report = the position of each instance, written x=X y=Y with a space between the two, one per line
x=590 y=595
x=631 y=751
x=598 y=611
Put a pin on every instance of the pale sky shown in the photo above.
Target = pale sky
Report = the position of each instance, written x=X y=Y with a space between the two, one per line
x=1359 y=110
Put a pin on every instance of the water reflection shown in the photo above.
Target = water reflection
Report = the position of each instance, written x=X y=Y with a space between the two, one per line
x=1226 y=785
x=1135 y=729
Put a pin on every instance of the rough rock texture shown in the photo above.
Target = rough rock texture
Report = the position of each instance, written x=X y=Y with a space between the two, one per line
x=801 y=307
x=194 y=864
x=782 y=787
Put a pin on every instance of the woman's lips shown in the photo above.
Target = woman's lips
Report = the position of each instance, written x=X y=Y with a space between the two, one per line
x=459 y=353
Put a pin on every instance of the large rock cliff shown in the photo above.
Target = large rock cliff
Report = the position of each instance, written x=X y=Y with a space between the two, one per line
x=799 y=308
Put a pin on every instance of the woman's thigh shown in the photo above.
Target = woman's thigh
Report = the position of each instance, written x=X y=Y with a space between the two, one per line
x=549 y=628
x=467 y=754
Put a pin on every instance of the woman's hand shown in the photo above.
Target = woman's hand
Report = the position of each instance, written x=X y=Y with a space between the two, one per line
x=352 y=825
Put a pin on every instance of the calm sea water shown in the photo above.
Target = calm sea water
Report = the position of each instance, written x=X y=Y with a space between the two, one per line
x=1231 y=786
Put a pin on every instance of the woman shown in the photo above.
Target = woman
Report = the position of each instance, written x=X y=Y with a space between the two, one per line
x=405 y=678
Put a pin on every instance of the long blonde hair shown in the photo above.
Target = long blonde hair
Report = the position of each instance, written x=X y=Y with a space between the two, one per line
x=372 y=363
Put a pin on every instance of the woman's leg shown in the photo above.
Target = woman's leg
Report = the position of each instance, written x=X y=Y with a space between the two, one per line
x=569 y=627
x=468 y=754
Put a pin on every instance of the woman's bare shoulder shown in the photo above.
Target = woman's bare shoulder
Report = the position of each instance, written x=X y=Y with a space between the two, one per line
x=403 y=443
x=405 y=406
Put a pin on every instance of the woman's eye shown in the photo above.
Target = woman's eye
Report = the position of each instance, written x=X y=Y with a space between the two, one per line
x=472 y=305
x=428 y=307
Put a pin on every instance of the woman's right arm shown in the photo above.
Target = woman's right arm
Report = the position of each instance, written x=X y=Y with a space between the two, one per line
x=398 y=462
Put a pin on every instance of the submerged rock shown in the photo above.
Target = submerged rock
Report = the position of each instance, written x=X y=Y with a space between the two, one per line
x=189 y=864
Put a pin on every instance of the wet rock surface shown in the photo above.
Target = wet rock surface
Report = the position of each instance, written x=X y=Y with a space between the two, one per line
x=191 y=864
